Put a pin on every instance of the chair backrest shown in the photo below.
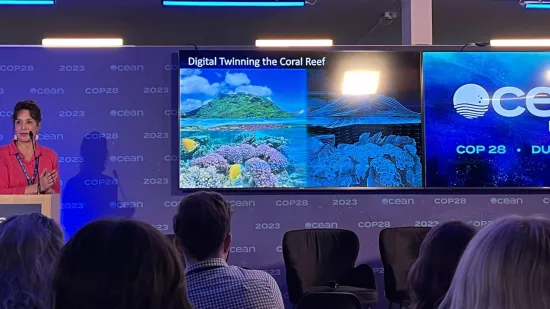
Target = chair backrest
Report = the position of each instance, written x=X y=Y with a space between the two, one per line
x=330 y=300
x=314 y=257
x=399 y=248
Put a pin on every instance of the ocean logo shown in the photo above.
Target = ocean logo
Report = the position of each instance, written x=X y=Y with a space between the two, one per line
x=471 y=101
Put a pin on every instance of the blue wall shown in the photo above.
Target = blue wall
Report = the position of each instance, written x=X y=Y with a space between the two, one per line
x=110 y=114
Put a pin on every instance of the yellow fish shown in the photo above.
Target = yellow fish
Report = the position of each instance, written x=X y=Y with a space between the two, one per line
x=234 y=172
x=189 y=145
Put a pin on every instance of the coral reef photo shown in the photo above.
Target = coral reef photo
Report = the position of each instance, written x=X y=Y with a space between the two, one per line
x=363 y=141
x=353 y=123
x=373 y=161
x=243 y=128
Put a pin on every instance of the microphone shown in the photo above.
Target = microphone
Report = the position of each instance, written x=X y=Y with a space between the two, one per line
x=31 y=135
x=37 y=180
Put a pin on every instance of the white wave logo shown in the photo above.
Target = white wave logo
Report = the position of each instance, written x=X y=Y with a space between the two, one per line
x=471 y=101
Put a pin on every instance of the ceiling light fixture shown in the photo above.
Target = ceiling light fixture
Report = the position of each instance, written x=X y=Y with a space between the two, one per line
x=74 y=42
x=27 y=2
x=521 y=43
x=535 y=4
x=294 y=43
x=235 y=3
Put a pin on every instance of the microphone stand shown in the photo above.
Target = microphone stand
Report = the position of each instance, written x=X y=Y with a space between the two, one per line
x=37 y=180
x=115 y=173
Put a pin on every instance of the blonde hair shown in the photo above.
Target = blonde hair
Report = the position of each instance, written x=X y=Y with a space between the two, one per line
x=505 y=266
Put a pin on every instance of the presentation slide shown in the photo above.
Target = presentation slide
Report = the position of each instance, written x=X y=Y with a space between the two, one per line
x=297 y=119
x=487 y=119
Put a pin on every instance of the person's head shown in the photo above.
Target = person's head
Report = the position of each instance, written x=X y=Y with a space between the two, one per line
x=29 y=247
x=505 y=266
x=202 y=226
x=94 y=151
x=119 y=264
x=432 y=273
x=26 y=118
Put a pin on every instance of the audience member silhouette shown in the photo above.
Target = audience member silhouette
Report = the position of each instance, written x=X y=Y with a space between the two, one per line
x=431 y=275
x=202 y=229
x=119 y=264
x=505 y=266
x=29 y=246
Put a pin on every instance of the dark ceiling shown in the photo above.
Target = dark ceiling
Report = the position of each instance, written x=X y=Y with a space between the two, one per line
x=146 y=22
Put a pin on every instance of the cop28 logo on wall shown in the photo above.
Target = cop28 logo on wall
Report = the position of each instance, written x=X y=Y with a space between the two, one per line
x=472 y=101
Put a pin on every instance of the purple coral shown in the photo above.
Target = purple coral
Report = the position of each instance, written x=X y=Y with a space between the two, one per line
x=212 y=159
x=261 y=173
x=247 y=151
x=231 y=153
x=262 y=148
x=277 y=161
x=237 y=154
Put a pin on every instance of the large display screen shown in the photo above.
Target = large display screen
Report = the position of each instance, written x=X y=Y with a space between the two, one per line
x=252 y=119
x=487 y=119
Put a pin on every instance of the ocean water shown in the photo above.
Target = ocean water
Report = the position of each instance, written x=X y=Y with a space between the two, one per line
x=285 y=136
x=193 y=124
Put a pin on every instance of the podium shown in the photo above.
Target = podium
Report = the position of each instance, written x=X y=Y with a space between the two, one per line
x=46 y=204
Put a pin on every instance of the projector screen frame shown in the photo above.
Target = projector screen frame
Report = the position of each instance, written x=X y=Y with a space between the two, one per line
x=419 y=53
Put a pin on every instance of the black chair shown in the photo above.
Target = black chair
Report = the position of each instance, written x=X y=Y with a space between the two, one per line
x=333 y=300
x=399 y=249
x=323 y=260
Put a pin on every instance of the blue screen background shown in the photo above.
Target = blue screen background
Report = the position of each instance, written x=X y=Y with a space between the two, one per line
x=445 y=129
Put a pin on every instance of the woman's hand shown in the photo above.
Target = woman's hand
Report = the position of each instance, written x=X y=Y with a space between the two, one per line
x=47 y=180
x=50 y=191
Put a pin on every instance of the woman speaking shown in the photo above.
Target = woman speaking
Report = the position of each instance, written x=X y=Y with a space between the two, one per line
x=25 y=166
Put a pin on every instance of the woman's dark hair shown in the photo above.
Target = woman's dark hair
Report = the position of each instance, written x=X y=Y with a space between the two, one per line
x=119 y=264
x=29 y=105
x=431 y=275
x=29 y=247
